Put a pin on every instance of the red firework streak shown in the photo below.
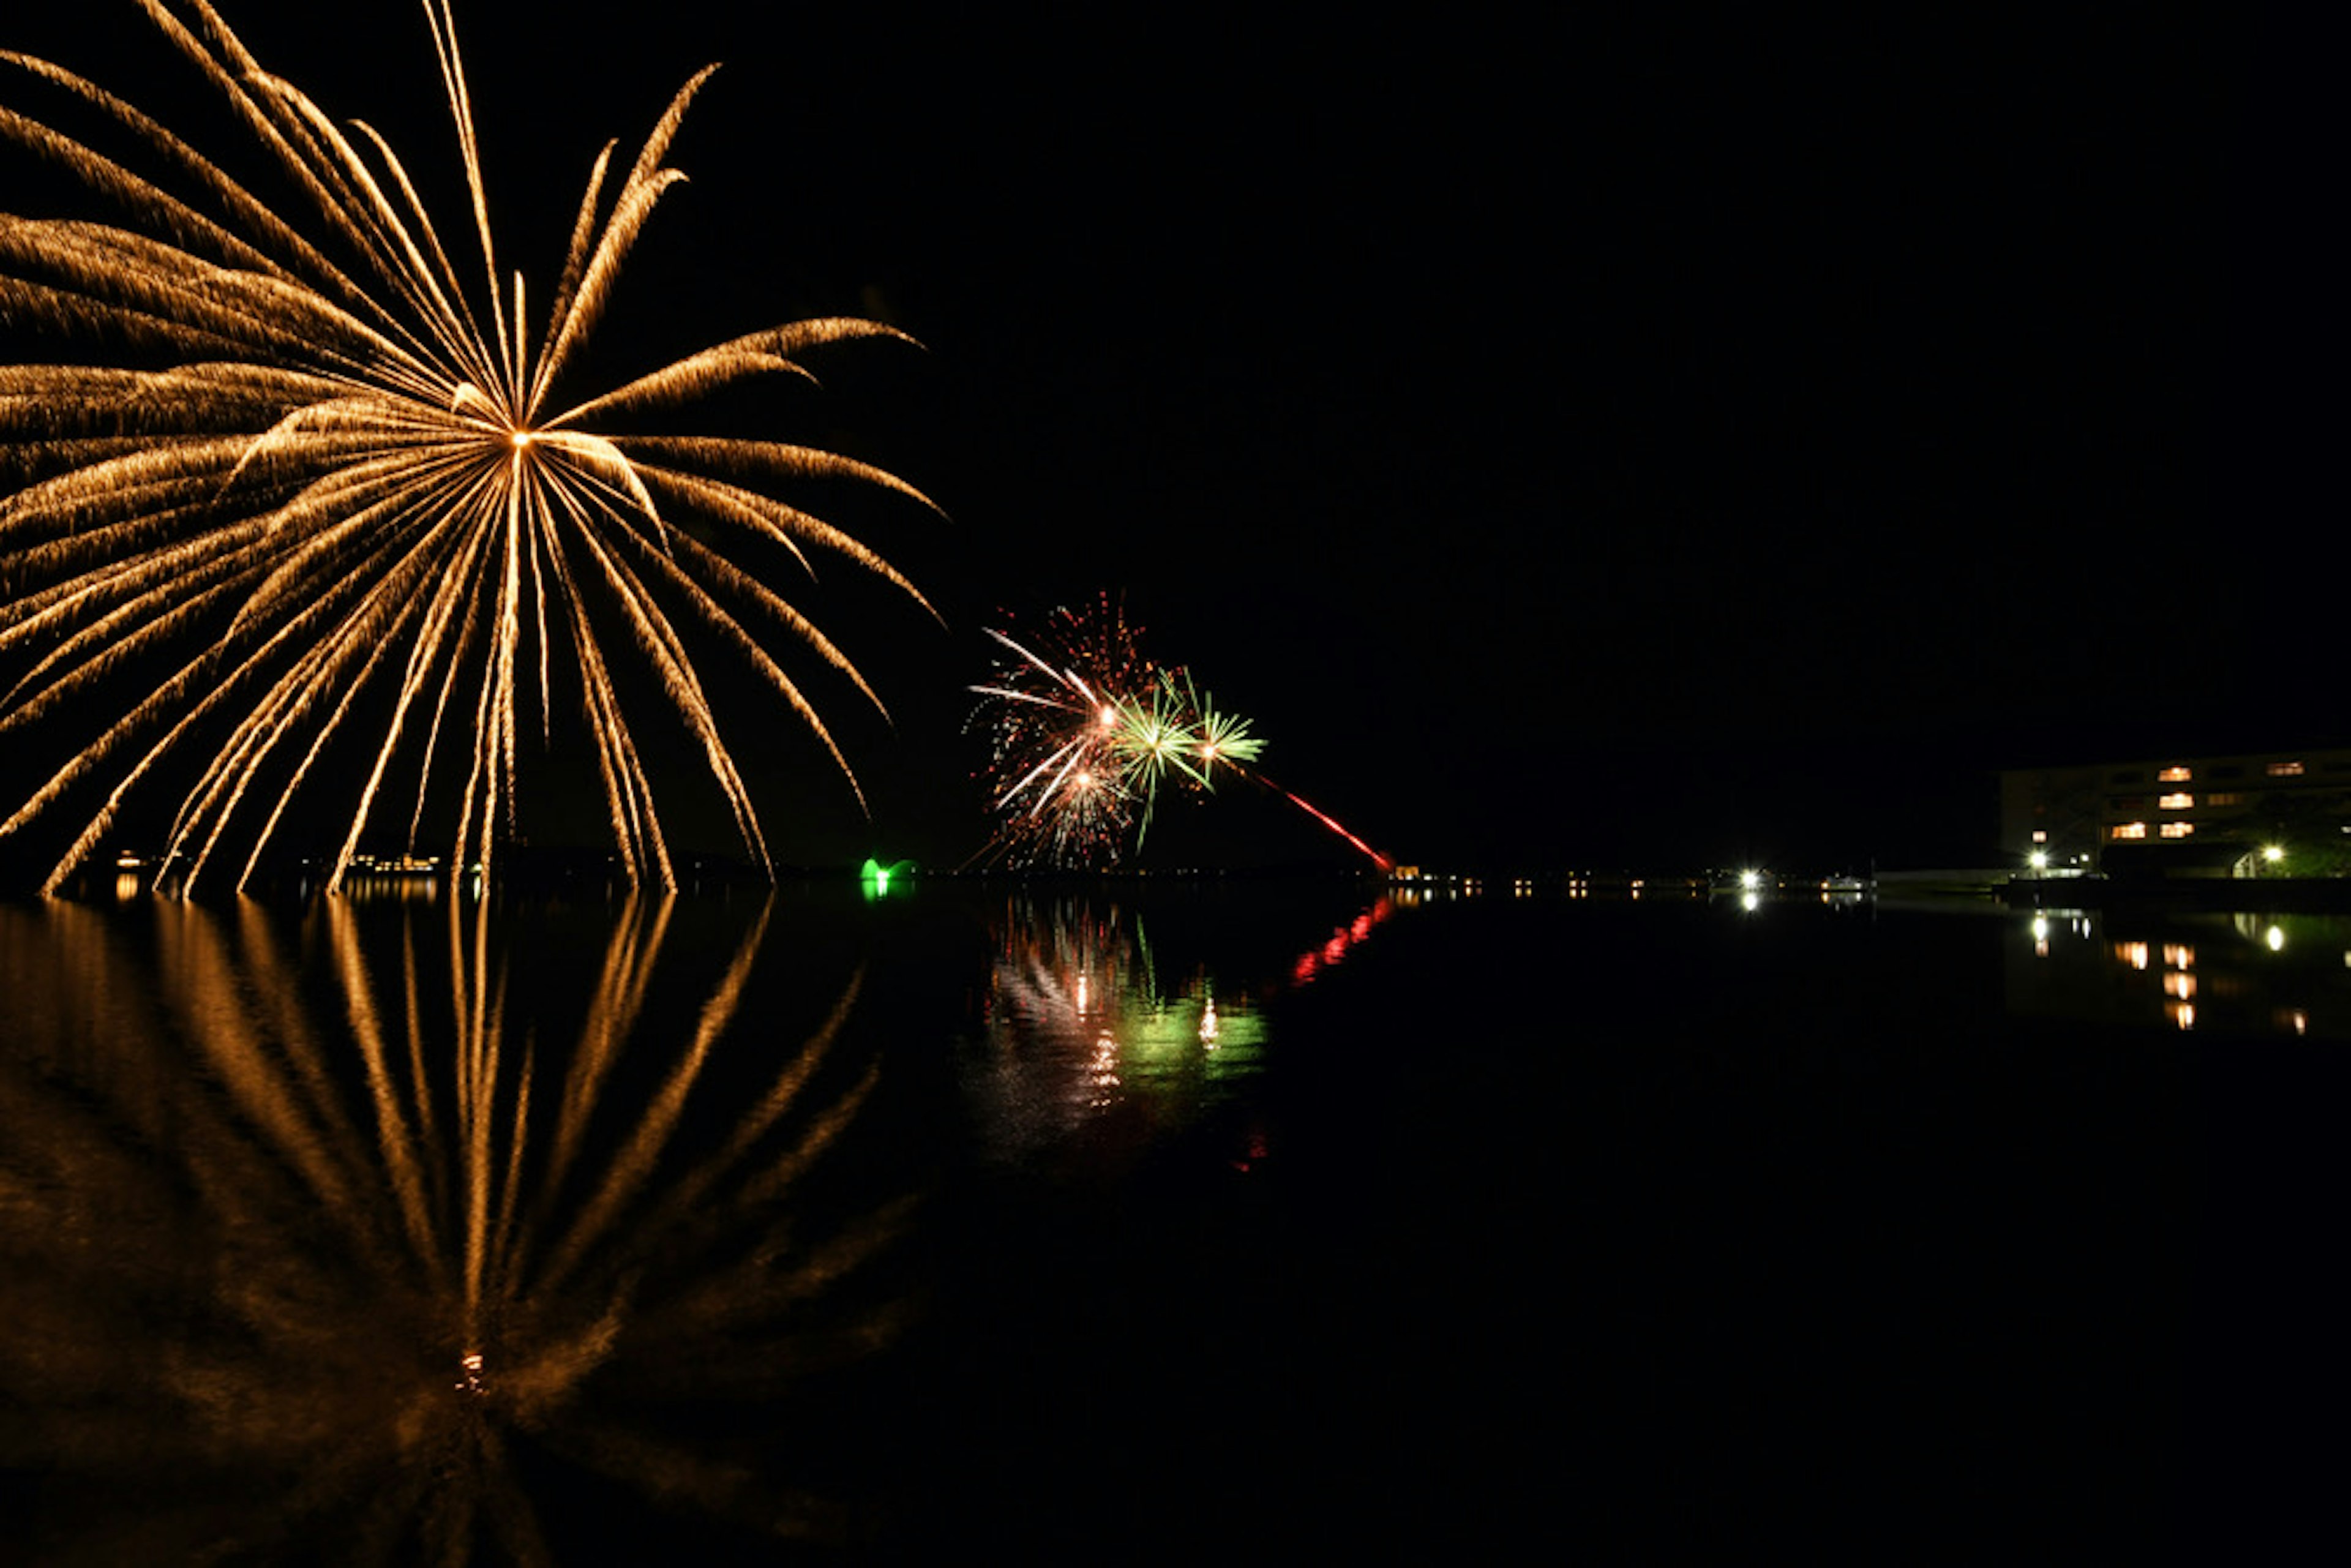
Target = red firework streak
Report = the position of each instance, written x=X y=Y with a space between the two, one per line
x=1328 y=821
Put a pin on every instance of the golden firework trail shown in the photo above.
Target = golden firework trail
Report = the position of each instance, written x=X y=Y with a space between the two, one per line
x=349 y=478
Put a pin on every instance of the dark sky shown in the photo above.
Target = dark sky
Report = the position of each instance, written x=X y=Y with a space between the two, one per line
x=1672 y=439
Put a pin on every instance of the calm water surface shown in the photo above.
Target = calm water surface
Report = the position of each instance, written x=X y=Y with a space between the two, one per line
x=1171 y=1226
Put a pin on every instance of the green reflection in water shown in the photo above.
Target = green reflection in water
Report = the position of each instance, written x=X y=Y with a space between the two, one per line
x=303 y=1233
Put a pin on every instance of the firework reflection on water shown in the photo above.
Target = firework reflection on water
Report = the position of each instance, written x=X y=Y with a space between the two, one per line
x=373 y=1229
x=1095 y=1043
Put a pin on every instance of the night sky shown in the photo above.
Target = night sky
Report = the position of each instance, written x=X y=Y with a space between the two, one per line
x=1657 y=442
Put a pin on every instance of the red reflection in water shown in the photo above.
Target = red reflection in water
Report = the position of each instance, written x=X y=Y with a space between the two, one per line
x=1313 y=961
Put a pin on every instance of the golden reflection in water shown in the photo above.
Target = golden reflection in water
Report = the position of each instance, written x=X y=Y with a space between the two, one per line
x=301 y=1239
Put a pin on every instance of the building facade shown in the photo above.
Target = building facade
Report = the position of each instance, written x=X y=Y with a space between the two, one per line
x=2211 y=816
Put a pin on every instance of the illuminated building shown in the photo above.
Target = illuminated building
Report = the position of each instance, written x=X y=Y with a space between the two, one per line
x=2169 y=816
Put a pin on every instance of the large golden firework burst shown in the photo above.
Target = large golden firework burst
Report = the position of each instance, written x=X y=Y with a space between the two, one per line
x=334 y=468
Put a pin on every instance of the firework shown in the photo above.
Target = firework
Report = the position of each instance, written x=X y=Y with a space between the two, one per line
x=361 y=472
x=1085 y=731
x=1060 y=786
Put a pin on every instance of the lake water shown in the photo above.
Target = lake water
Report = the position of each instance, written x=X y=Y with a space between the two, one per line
x=1153 y=1224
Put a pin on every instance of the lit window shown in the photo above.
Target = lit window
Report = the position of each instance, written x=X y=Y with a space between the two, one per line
x=2040 y=835
x=2177 y=830
x=2180 y=955
x=2134 y=953
x=2225 y=798
x=2286 y=770
x=2128 y=831
x=2178 y=801
x=2175 y=776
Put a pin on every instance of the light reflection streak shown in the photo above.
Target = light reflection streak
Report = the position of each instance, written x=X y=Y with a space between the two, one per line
x=1334 y=951
x=335 y=1223
x=2217 y=973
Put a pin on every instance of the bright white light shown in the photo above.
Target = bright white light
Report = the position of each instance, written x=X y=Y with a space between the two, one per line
x=1750 y=880
x=2039 y=860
